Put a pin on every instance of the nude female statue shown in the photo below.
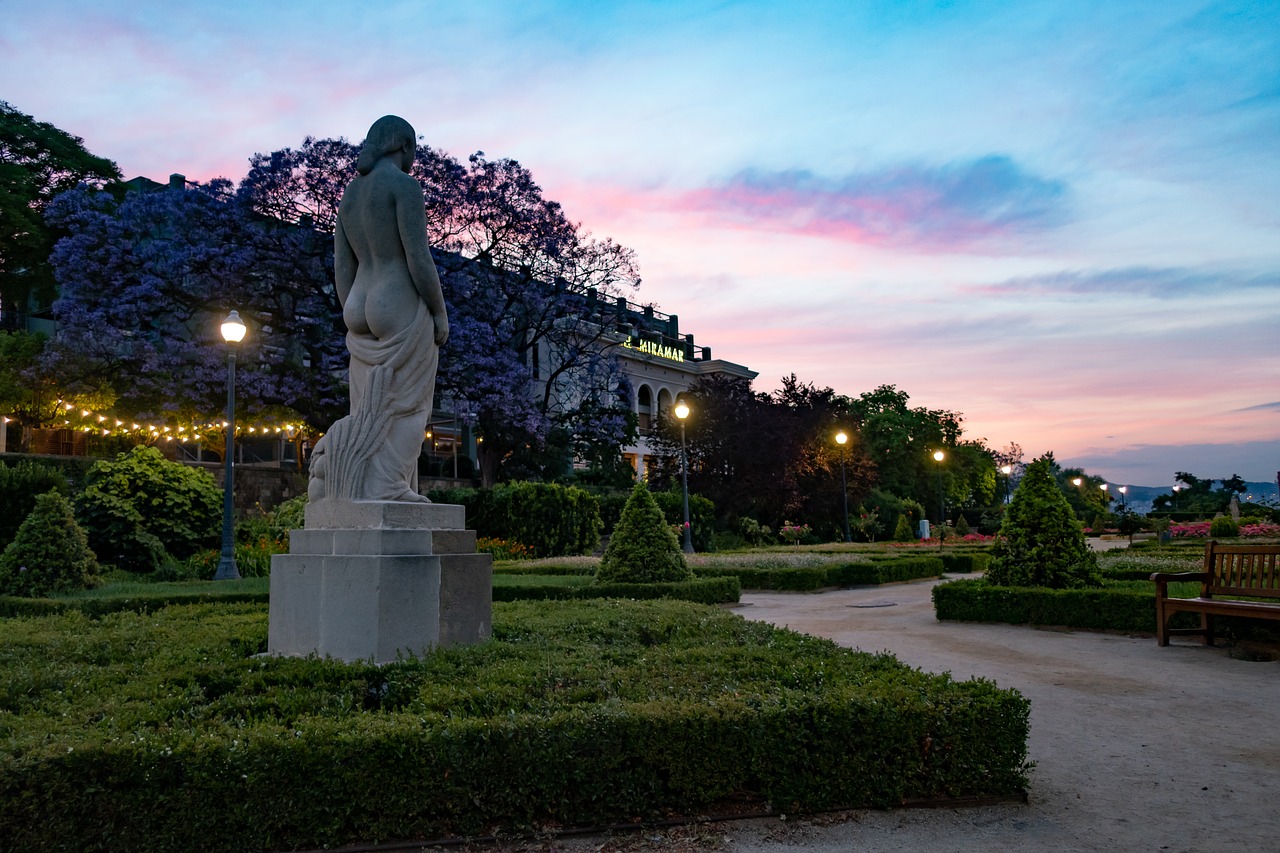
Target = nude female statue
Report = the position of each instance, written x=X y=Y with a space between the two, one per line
x=394 y=310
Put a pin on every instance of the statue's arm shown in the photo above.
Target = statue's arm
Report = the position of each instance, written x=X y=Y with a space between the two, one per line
x=411 y=218
x=344 y=262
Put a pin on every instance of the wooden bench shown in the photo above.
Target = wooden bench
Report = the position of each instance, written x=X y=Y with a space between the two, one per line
x=1238 y=571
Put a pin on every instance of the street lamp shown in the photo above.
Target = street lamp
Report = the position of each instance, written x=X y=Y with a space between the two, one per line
x=1077 y=481
x=682 y=412
x=1006 y=470
x=1176 y=489
x=938 y=456
x=1122 y=490
x=233 y=330
x=842 y=439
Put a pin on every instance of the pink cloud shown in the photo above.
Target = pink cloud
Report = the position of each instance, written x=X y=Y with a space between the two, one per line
x=958 y=207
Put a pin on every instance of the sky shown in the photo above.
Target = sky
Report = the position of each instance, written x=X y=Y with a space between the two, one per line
x=1061 y=220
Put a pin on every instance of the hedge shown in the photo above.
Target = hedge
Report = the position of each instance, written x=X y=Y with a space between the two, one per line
x=837 y=575
x=975 y=600
x=710 y=590
x=132 y=603
x=551 y=519
x=164 y=732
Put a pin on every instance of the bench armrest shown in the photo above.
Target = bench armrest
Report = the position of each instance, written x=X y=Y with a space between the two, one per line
x=1168 y=577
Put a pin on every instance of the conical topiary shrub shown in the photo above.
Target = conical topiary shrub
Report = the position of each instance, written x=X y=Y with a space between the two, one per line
x=962 y=526
x=643 y=548
x=903 y=532
x=49 y=554
x=1041 y=543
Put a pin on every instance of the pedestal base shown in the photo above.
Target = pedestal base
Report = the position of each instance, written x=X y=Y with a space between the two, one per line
x=376 y=580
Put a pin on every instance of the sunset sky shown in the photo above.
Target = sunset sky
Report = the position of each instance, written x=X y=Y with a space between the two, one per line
x=1060 y=219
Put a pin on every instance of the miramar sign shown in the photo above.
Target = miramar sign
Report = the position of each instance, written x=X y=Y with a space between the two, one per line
x=654 y=348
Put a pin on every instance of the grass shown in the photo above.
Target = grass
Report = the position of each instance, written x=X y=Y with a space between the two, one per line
x=501 y=580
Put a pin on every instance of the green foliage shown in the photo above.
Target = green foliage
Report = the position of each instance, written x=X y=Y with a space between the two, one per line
x=703 y=590
x=1041 y=543
x=140 y=506
x=167 y=733
x=962 y=526
x=809 y=578
x=551 y=519
x=1098 y=525
x=274 y=525
x=1107 y=608
x=755 y=533
x=896 y=514
x=643 y=548
x=37 y=161
x=702 y=516
x=20 y=485
x=50 y=552
x=1224 y=527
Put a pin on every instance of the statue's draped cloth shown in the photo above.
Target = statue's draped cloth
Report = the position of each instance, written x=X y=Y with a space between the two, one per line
x=390 y=379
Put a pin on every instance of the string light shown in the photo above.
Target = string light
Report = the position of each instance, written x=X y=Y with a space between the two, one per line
x=153 y=431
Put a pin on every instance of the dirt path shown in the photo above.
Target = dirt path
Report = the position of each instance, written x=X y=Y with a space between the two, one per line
x=1136 y=747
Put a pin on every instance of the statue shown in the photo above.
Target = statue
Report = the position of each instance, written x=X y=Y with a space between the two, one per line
x=394 y=310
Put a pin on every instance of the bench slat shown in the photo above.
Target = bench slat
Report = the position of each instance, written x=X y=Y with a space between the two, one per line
x=1239 y=571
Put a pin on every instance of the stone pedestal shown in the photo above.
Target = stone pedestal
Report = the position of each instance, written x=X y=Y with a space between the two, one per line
x=374 y=580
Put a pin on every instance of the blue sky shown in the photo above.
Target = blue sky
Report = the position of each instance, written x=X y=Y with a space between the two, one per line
x=1060 y=219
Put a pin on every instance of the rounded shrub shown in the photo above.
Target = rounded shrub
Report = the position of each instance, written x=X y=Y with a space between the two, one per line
x=49 y=554
x=139 y=507
x=1224 y=527
x=1041 y=543
x=643 y=548
x=20 y=485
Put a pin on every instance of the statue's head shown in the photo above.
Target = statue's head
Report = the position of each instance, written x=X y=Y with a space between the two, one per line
x=388 y=135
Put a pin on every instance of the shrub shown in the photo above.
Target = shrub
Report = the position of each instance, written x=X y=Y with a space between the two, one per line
x=1099 y=525
x=551 y=519
x=893 y=511
x=572 y=715
x=20 y=485
x=49 y=554
x=1224 y=527
x=755 y=533
x=642 y=549
x=140 y=505
x=962 y=526
x=1041 y=543
x=702 y=517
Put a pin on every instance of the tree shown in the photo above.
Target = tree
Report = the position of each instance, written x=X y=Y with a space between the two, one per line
x=529 y=342
x=37 y=162
x=643 y=547
x=900 y=438
x=146 y=280
x=1040 y=542
x=1198 y=496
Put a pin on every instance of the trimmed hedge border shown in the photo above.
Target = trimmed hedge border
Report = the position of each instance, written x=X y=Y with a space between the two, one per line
x=870 y=573
x=571 y=716
x=710 y=590
x=11 y=605
x=975 y=600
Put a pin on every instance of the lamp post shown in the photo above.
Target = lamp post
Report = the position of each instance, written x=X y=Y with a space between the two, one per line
x=682 y=412
x=1006 y=470
x=1122 y=490
x=1077 y=481
x=842 y=439
x=1175 y=497
x=233 y=330
x=938 y=456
